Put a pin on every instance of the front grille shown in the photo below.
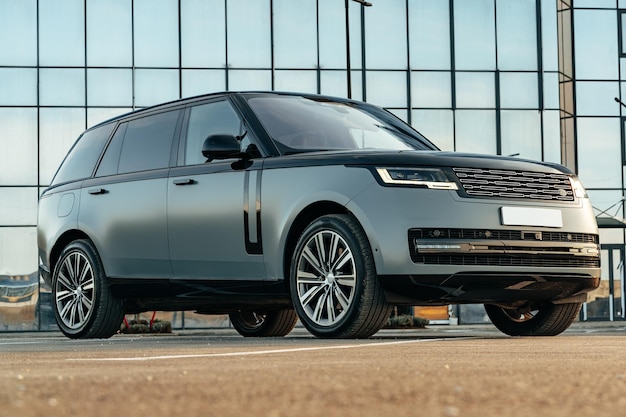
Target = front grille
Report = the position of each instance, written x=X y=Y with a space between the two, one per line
x=447 y=233
x=509 y=184
x=508 y=260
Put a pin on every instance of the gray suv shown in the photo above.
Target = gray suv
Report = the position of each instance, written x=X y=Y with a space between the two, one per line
x=271 y=207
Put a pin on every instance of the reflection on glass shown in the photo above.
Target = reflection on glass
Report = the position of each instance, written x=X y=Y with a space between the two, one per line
x=597 y=98
x=247 y=17
x=549 y=36
x=517 y=34
x=196 y=82
x=203 y=33
x=331 y=32
x=18 y=206
x=335 y=83
x=18 y=32
x=109 y=87
x=20 y=257
x=62 y=87
x=18 y=87
x=521 y=133
x=295 y=34
x=475 y=90
x=431 y=89
x=598 y=147
x=552 y=136
x=239 y=80
x=386 y=88
x=476 y=131
x=155 y=86
x=474 y=35
x=550 y=90
x=429 y=34
x=61 y=33
x=519 y=90
x=385 y=36
x=109 y=45
x=156 y=33
x=302 y=81
x=595 y=42
x=18 y=146
x=436 y=125
x=609 y=4
x=59 y=129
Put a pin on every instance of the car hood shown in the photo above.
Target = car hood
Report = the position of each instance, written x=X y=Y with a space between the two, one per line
x=413 y=158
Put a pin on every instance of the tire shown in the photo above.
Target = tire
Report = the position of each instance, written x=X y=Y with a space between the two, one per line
x=333 y=282
x=545 y=320
x=81 y=298
x=276 y=323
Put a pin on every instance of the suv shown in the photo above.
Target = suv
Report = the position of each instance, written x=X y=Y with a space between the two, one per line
x=271 y=207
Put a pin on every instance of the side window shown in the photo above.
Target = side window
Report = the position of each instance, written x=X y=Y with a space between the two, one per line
x=140 y=145
x=80 y=161
x=206 y=120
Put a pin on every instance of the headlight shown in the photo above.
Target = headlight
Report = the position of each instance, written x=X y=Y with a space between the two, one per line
x=433 y=178
x=577 y=186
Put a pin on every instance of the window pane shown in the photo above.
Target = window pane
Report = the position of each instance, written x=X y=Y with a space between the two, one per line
x=18 y=87
x=474 y=35
x=549 y=36
x=595 y=40
x=109 y=87
x=435 y=125
x=18 y=32
x=597 y=98
x=609 y=4
x=332 y=34
x=18 y=250
x=429 y=34
x=18 y=206
x=475 y=131
x=203 y=33
x=386 y=88
x=385 y=36
x=552 y=136
x=599 y=145
x=95 y=115
x=517 y=34
x=82 y=158
x=156 y=33
x=335 y=83
x=62 y=87
x=475 y=89
x=249 y=80
x=197 y=82
x=551 y=91
x=58 y=132
x=109 y=45
x=519 y=90
x=295 y=34
x=61 y=33
x=18 y=146
x=521 y=133
x=155 y=86
x=148 y=143
x=431 y=89
x=249 y=43
x=302 y=81
x=206 y=120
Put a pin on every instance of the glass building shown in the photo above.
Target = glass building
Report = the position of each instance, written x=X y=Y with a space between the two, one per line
x=534 y=78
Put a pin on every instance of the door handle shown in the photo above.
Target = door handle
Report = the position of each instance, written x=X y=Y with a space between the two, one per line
x=186 y=181
x=97 y=191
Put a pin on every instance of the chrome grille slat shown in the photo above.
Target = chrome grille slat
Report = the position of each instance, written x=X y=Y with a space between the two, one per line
x=525 y=185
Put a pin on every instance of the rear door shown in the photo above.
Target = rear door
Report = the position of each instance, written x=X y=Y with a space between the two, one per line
x=214 y=232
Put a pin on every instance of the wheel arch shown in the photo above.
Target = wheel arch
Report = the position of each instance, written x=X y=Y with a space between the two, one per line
x=65 y=239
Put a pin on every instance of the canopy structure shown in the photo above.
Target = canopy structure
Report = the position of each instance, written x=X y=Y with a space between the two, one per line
x=607 y=220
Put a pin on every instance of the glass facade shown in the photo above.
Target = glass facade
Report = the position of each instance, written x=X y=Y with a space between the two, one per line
x=535 y=78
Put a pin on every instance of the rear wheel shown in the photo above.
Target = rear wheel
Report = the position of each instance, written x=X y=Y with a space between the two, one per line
x=82 y=301
x=333 y=281
x=543 y=320
x=269 y=324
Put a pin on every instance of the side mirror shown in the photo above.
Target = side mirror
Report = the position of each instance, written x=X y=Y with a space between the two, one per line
x=221 y=146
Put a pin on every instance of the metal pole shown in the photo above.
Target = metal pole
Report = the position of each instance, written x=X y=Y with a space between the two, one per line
x=348 y=67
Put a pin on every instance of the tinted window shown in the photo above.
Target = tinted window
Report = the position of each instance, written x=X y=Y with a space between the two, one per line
x=147 y=143
x=111 y=158
x=206 y=120
x=81 y=159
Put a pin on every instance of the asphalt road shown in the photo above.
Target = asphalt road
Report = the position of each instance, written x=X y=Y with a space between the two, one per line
x=440 y=371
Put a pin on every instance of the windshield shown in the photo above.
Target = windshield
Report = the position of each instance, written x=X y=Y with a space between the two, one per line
x=298 y=124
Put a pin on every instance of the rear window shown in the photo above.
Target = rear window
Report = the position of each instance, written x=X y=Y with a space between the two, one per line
x=79 y=162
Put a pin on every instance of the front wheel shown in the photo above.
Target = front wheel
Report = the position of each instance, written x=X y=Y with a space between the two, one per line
x=83 y=304
x=333 y=281
x=269 y=324
x=543 y=320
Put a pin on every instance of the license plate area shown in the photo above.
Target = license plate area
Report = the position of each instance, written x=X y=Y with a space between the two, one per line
x=531 y=216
